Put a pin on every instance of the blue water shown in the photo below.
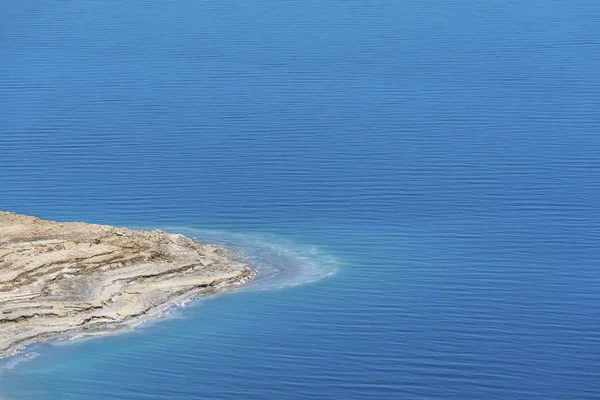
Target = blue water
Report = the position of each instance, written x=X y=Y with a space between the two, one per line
x=420 y=178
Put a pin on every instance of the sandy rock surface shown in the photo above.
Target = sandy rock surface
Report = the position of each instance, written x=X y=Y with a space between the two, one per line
x=64 y=279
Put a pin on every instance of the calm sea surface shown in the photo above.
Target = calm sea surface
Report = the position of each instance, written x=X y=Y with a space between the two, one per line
x=421 y=179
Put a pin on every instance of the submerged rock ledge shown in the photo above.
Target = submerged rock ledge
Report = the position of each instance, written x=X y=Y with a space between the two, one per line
x=66 y=279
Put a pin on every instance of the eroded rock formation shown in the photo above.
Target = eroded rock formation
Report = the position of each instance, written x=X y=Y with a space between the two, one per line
x=63 y=279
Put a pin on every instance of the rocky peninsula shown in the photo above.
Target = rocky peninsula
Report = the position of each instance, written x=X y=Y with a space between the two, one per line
x=61 y=280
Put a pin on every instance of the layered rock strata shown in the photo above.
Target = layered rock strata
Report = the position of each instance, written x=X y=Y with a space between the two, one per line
x=66 y=279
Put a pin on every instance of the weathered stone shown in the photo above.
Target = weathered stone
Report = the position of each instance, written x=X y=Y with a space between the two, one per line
x=64 y=279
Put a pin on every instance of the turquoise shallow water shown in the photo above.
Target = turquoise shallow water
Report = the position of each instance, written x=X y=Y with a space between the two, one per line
x=419 y=180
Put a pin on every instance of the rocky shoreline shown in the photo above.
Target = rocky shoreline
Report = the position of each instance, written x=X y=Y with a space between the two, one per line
x=61 y=280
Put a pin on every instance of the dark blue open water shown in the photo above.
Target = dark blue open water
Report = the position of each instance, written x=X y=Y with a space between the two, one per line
x=422 y=177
